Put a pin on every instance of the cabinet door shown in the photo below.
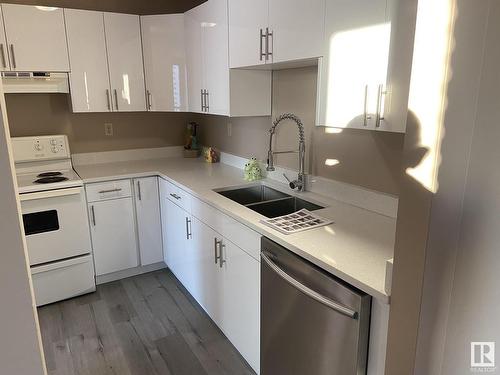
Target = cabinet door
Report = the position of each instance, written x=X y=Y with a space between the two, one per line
x=113 y=235
x=176 y=239
x=4 y=56
x=241 y=322
x=194 y=58
x=247 y=20
x=207 y=278
x=215 y=56
x=89 y=78
x=354 y=64
x=164 y=62
x=36 y=38
x=147 y=203
x=298 y=28
x=126 y=71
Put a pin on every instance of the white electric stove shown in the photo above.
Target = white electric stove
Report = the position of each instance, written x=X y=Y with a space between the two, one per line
x=55 y=218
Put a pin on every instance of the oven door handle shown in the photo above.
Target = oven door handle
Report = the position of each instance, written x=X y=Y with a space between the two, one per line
x=50 y=194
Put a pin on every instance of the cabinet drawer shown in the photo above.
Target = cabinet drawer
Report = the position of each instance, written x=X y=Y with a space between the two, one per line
x=242 y=236
x=108 y=190
x=177 y=195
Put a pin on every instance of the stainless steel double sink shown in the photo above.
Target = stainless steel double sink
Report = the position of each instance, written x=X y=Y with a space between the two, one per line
x=268 y=201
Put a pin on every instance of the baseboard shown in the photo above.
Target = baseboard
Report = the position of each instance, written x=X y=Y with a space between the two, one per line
x=129 y=273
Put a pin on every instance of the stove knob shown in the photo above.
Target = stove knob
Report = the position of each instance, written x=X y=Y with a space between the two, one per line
x=53 y=142
x=55 y=150
x=38 y=147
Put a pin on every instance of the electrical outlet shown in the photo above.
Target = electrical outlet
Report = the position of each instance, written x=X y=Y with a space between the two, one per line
x=229 y=129
x=108 y=129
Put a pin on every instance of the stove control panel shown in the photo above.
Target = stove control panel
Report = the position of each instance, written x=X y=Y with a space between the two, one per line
x=51 y=147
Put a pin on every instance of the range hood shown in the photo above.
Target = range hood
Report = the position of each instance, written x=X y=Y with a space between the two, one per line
x=35 y=82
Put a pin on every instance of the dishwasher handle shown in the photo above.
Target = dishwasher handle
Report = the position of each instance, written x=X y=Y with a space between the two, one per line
x=308 y=291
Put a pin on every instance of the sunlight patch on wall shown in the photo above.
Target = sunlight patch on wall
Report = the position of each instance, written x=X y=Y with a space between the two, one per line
x=429 y=82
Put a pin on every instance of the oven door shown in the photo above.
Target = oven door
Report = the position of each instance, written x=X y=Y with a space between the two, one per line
x=56 y=224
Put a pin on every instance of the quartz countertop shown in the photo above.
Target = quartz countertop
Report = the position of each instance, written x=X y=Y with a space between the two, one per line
x=354 y=248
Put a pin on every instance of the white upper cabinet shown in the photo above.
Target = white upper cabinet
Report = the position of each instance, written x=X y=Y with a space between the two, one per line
x=353 y=73
x=126 y=71
x=89 y=78
x=248 y=20
x=212 y=87
x=164 y=53
x=275 y=31
x=194 y=59
x=36 y=38
x=297 y=28
x=214 y=32
x=4 y=56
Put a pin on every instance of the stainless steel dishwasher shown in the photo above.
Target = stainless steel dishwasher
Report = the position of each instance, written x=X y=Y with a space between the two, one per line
x=311 y=322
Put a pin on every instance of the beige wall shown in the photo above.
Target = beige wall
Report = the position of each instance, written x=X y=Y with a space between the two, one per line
x=369 y=159
x=43 y=114
x=120 y=6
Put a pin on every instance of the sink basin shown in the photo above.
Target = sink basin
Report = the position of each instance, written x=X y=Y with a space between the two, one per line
x=253 y=194
x=283 y=207
x=268 y=201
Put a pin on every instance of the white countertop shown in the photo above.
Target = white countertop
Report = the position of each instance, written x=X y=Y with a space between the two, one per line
x=355 y=248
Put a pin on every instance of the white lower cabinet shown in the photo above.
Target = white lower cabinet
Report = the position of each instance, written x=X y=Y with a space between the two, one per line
x=241 y=306
x=176 y=221
x=223 y=278
x=147 y=208
x=113 y=235
x=205 y=279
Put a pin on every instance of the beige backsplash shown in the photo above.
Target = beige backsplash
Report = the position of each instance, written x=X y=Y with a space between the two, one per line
x=43 y=114
x=366 y=158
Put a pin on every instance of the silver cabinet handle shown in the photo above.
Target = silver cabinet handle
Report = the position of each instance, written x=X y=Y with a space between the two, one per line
x=202 y=103
x=116 y=99
x=13 y=56
x=380 y=117
x=110 y=191
x=2 y=51
x=139 y=195
x=221 y=255
x=92 y=211
x=188 y=228
x=148 y=99
x=207 y=101
x=268 y=51
x=175 y=196
x=308 y=291
x=261 y=36
x=108 y=99
x=217 y=243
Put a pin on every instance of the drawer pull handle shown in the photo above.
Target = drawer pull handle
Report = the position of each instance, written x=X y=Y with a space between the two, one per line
x=110 y=191
x=217 y=245
x=175 y=196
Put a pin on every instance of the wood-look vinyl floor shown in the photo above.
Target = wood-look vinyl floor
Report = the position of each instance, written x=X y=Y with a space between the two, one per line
x=148 y=324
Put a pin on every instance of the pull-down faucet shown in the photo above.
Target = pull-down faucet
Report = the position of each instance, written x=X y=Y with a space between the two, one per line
x=300 y=182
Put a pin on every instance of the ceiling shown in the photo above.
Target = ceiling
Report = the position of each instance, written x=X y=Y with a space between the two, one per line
x=120 y=6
